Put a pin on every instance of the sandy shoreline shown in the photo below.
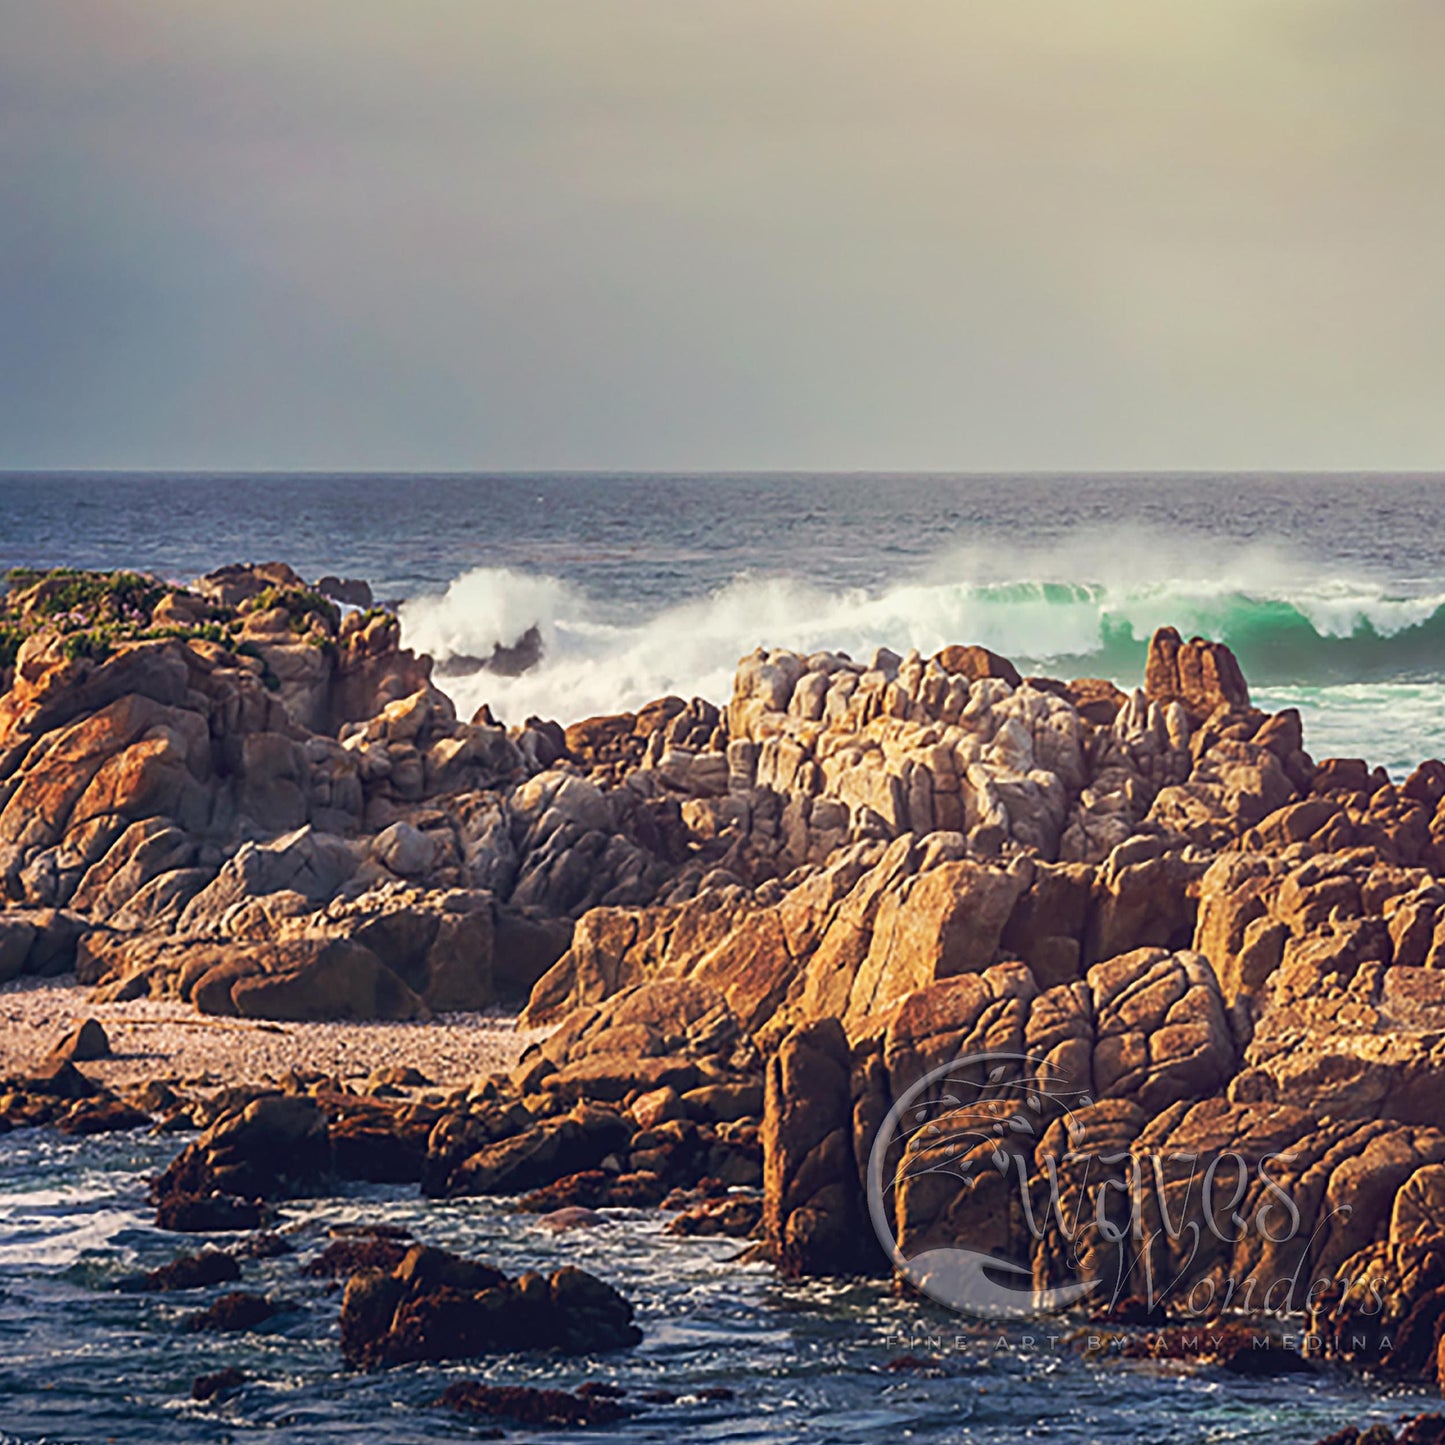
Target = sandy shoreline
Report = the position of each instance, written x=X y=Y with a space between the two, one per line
x=165 y=1039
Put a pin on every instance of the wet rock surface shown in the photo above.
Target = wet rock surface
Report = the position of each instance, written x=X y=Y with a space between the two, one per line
x=233 y=1313
x=187 y=1271
x=434 y=1305
x=526 y=1405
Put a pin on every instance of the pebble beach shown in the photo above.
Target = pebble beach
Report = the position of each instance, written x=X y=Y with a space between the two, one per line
x=166 y=1039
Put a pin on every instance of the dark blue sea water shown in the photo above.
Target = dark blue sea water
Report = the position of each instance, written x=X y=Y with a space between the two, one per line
x=1331 y=589
x=81 y=1363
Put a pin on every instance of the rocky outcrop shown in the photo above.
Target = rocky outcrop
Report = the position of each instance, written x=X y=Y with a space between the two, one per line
x=311 y=977
x=438 y=1306
x=272 y=1146
x=393 y=952
x=1385 y=1305
x=751 y=930
x=813 y=1214
x=38 y=941
x=240 y=763
x=850 y=940
x=1160 y=1029
x=1203 y=676
x=579 y=1122
x=60 y=1095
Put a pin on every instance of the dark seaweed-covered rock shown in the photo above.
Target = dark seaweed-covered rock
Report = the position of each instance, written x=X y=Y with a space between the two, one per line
x=379 y=1151
x=218 y=1385
x=437 y=1306
x=345 y=1257
x=370 y=1231
x=523 y=1405
x=738 y=1216
x=1422 y=1430
x=1239 y=1349
x=266 y=1245
x=670 y=1397
x=188 y=1271
x=214 y=1213
x=913 y=1365
x=595 y=1189
x=232 y=1312
x=102 y=1116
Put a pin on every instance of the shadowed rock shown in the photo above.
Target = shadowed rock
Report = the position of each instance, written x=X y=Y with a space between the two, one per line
x=438 y=1306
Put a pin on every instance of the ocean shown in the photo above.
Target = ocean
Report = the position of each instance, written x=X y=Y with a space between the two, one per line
x=805 y=1362
x=1331 y=589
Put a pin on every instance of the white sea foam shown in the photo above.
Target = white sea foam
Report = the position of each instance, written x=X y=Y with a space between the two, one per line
x=1086 y=607
x=1391 y=725
x=56 y=1241
x=487 y=608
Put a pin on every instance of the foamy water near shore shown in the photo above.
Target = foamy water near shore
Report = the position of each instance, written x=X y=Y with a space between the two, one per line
x=1355 y=655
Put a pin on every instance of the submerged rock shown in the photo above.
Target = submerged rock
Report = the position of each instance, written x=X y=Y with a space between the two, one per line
x=213 y=1213
x=187 y=1271
x=559 y=1221
x=344 y=1257
x=526 y=1405
x=1237 y=1349
x=219 y=1385
x=232 y=1313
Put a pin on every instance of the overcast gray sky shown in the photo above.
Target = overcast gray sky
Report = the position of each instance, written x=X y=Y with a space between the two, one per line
x=664 y=234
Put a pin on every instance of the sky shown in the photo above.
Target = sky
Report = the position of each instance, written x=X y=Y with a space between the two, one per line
x=722 y=234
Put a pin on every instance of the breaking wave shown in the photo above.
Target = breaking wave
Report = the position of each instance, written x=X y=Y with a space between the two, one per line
x=602 y=655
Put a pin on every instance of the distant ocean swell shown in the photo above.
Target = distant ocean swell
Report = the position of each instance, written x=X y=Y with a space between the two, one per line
x=600 y=656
